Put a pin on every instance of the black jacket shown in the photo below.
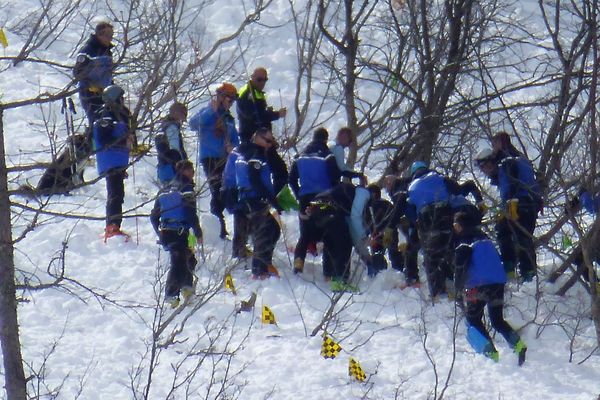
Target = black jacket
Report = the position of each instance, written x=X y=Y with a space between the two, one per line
x=252 y=112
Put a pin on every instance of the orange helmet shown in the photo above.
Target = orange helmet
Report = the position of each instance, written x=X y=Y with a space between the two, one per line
x=227 y=89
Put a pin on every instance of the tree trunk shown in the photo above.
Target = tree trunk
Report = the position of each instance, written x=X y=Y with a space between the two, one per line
x=9 y=326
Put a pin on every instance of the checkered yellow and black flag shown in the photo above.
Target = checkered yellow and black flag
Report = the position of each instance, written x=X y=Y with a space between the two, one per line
x=329 y=348
x=229 y=283
x=267 y=316
x=355 y=370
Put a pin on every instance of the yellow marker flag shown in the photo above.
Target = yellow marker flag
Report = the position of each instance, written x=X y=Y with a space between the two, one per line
x=3 y=40
x=229 y=283
x=355 y=370
x=267 y=316
x=329 y=348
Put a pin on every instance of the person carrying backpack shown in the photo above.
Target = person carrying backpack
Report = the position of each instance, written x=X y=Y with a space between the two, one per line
x=172 y=217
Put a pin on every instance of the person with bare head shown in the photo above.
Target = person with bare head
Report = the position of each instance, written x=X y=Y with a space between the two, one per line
x=344 y=139
x=94 y=68
x=252 y=109
x=503 y=147
x=169 y=142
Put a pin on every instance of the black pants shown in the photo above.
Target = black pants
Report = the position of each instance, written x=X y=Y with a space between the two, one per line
x=183 y=261
x=378 y=260
x=435 y=234
x=332 y=230
x=308 y=231
x=515 y=239
x=413 y=245
x=492 y=296
x=265 y=232
x=115 y=193
x=240 y=234
x=213 y=169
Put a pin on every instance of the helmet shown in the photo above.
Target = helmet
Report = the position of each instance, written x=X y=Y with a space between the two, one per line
x=227 y=89
x=417 y=165
x=112 y=94
x=484 y=155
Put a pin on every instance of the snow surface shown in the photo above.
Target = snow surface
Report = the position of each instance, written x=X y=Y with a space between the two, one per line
x=100 y=324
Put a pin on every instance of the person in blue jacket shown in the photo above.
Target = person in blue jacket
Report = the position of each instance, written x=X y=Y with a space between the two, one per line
x=521 y=200
x=112 y=138
x=429 y=205
x=256 y=195
x=479 y=282
x=229 y=193
x=217 y=135
x=313 y=172
x=94 y=69
x=173 y=215
x=169 y=143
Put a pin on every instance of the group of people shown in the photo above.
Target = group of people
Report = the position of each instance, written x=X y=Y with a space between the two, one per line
x=337 y=207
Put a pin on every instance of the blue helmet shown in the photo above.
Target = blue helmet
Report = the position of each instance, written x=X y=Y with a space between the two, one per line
x=417 y=165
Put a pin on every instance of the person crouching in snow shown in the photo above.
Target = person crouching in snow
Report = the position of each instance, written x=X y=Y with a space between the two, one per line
x=479 y=281
x=173 y=215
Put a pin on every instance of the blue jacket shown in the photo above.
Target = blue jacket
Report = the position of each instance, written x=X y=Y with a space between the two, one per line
x=314 y=171
x=477 y=261
x=253 y=177
x=110 y=133
x=215 y=129
x=94 y=66
x=429 y=188
x=516 y=180
x=175 y=208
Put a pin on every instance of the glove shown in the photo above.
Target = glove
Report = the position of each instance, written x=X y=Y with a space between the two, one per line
x=482 y=207
x=512 y=209
x=387 y=237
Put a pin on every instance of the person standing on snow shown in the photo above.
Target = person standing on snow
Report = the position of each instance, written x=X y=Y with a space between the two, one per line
x=380 y=218
x=348 y=203
x=584 y=199
x=397 y=189
x=169 y=143
x=256 y=196
x=521 y=201
x=112 y=137
x=313 y=172
x=217 y=134
x=479 y=282
x=173 y=215
x=252 y=109
x=94 y=69
x=429 y=196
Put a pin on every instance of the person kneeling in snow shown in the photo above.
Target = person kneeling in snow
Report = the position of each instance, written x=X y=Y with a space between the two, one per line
x=173 y=215
x=479 y=281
